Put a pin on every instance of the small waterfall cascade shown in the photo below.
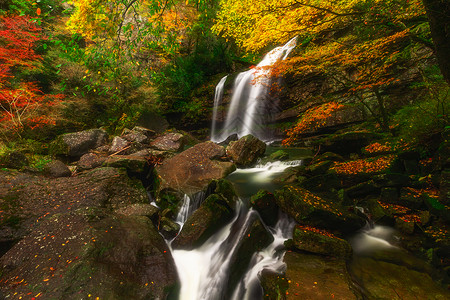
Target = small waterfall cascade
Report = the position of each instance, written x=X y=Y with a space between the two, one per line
x=249 y=107
x=189 y=206
x=204 y=271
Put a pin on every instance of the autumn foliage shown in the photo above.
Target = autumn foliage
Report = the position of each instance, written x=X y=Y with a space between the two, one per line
x=20 y=99
x=313 y=118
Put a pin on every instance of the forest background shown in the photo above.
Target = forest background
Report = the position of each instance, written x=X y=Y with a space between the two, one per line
x=69 y=66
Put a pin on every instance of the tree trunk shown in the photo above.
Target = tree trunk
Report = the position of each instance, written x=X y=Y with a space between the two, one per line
x=438 y=12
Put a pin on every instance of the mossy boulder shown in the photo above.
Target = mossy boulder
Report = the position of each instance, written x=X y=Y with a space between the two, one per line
x=204 y=222
x=133 y=164
x=90 y=253
x=264 y=202
x=309 y=209
x=274 y=285
x=78 y=143
x=170 y=141
x=245 y=151
x=57 y=168
x=279 y=155
x=320 y=242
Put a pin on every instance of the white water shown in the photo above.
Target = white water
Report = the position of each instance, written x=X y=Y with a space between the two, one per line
x=249 y=107
x=204 y=271
x=373 y=238
x=189 y=206
x=217 y=101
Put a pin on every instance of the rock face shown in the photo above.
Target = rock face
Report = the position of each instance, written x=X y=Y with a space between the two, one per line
x=91 y=253
x=191 y=171
x=78 y=143
x=168 y=142
x=26 y=198
x=245 y=151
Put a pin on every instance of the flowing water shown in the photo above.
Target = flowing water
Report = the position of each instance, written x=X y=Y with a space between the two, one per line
x=250 y=104
x=204 y=272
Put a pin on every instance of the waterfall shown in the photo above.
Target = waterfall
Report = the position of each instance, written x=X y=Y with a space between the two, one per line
x=217 y=101
x=249 y=106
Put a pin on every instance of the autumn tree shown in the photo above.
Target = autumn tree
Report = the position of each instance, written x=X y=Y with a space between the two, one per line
x=361 y=47
x=21 y=99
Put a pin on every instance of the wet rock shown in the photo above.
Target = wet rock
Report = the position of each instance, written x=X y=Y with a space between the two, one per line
x=317 y=277
x=212 y=214
x=309 y=209
x=169 y=142
x=254 y=238
x=385 y=280
x=118 y=145
x=169 y=201
x=245 y=151
x=363 y=189
x=91 y=253
x=274 y=285
x=320 y=167
x=90 y=161
x=279 y=155
x=57 y=168
x=404 y=226
x=410 y=198
x=392 y=180
x=330 y=156
x=136 y=137
x=231 y=138
x=168 y=228
x=320 y=242
x=191 y=171
x=78 y=143
x=265 y=203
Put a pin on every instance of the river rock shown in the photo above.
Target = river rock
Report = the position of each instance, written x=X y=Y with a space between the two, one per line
x=90 y=253
x=57 y=168
x=309 y=209
x=118 y=145
x=212 y=214
x=168 y=228
x=171 y=141
x=78 y=143
x=254 y=238
x=191 y=171
x=317 y=277
x=133 y=164
x=140 y=209
x=245 y=151
x=274 y=285
x=320 y=242
x=90 y=161
x=265 y=203
x=16 y=160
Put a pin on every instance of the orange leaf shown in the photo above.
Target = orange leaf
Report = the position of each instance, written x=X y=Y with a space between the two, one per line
x=38 y=11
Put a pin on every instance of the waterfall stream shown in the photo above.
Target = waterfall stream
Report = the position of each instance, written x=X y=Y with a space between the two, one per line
x=249 y=107
x=204 y=272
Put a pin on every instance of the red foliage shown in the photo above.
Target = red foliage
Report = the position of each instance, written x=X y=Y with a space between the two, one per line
x=18 y=99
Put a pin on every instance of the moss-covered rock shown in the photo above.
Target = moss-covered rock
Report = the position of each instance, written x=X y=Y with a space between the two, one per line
x=320 y=242
x=78 y=143
x=133 y=164
x=309 y=209
x=204 y=222
x=274 y=285
x=265 y=203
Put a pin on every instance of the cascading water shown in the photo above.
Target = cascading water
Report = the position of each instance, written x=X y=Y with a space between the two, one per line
x=204 y=272
x=249 y=106
x=217 y=101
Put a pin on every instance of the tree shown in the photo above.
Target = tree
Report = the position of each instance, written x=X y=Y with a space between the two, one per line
x=438 y=12
x=360 y=47
x=19 y=98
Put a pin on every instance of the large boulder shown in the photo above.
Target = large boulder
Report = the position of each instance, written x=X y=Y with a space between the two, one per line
x=90 y=161
x=191 y=171
x=90 y=253
x=212 y=214
x=310 y=209
x=171 y=141
x=245 y=151
x=25 y=198
x=264 y=202
x=78 y=143
x=321 y=242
